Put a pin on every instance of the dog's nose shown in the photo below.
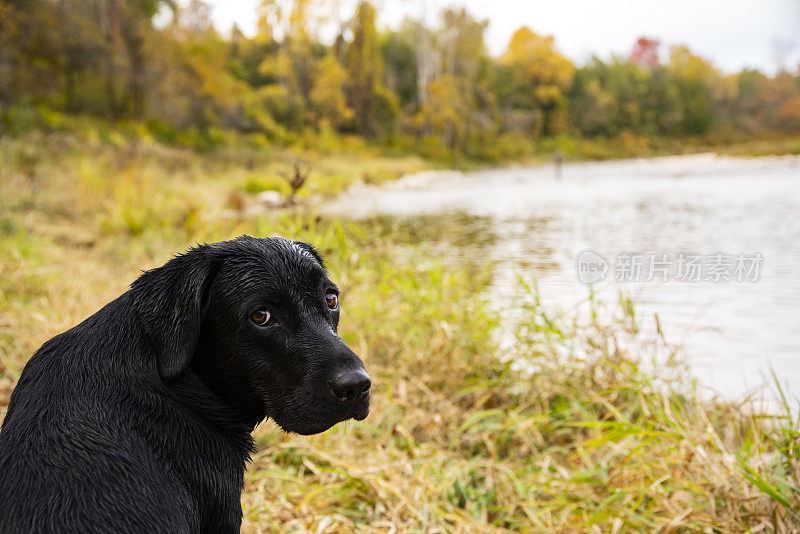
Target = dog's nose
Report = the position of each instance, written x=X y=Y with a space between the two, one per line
x=350 y=385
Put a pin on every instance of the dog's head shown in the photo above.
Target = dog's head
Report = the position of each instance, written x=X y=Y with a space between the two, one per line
x=257 y=320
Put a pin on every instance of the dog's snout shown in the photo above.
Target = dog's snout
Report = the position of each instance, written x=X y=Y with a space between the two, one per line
x=351 y=385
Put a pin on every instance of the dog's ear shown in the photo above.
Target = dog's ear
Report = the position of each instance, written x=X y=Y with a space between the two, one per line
x=170 y=302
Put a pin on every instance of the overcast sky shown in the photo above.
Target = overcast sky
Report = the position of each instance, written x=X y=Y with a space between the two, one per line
x=732 y=33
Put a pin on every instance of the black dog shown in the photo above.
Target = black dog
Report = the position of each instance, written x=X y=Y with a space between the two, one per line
x=139 y=418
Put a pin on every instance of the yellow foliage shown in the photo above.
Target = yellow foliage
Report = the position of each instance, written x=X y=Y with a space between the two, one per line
x=687 y=65
x=537 y=60
x=328 y=95
x=542 y=76
x=445 y=110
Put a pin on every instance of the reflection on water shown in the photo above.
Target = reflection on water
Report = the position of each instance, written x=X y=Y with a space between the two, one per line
x=458 y=229
x=535 y=225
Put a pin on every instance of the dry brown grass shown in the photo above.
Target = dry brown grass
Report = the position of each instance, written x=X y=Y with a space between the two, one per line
x=580 y=439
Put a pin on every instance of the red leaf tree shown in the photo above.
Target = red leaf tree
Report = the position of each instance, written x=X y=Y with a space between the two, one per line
x=645 y=53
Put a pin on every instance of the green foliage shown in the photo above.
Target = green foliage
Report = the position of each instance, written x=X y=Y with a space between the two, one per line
x=375 y=108
x=426 y=87
x=399 y=54
x=257 y=184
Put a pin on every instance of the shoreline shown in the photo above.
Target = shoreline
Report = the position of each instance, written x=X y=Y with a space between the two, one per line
x=430 y=177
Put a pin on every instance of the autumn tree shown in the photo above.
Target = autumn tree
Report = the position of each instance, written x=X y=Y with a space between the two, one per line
x=399 y=56
x=445 y=111
x=186 y=82
x=696 y=80
x=460 y=102
x=592 y=105
x=375 y=108
x=664 y=110
x=286 y=29
x=328 y=94
x=198 y=90
x=28 y=50
x=645 y=53
x=134 y=19
x=538 y=77
x=788 y=115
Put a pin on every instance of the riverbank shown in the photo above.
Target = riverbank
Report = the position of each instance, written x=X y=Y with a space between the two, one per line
x=459 y=439
x=682 y=164
x=243 y=166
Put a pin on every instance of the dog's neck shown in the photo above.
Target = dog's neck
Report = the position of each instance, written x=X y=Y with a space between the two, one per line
x=231 y=391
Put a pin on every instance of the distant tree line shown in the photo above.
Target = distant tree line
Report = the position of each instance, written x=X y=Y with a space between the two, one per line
x=435 y=88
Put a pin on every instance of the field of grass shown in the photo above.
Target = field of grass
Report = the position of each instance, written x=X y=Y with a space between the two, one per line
x=566 y=432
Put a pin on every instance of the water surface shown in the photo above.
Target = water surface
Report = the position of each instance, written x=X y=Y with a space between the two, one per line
x=536 y=225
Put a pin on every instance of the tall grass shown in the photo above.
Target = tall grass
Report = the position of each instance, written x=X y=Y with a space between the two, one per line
x=569 y=428
x=463 y=438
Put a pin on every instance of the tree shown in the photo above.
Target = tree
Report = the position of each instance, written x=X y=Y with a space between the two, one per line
x=106 y=58
x=445 y=111
x=28 y=50
x=592 y=106
x=374 y=106
x=788 y=115
x=645 y=53
x=328 y=93
x=540 y=76
x=462 y=44
x=664 y=103
x=400 y=62
x=698 y=83
x=134 y=18
x=467 y=67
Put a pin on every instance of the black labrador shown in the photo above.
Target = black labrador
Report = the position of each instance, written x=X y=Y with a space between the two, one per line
x=139 y=418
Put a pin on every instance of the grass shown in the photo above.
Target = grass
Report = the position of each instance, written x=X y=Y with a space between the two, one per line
x=570 y=430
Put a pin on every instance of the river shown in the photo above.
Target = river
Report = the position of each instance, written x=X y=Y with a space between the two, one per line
x=710 y=244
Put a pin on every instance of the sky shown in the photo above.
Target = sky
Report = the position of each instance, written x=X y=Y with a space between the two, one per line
x=733 y=34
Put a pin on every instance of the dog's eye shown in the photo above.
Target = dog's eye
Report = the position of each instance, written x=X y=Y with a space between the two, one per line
x=333 y=300
x=260 y=317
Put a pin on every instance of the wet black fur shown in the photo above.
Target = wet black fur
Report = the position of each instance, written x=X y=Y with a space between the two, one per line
x=139 y=418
